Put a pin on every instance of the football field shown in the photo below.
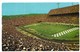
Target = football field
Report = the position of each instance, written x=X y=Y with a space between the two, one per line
x=53 y=30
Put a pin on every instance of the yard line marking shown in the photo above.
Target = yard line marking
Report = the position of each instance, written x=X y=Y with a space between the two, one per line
x=65 y=32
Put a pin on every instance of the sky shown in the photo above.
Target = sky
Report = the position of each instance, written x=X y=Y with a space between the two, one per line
x=31 y=8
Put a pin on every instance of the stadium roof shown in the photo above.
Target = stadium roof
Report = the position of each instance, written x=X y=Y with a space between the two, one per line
x=65 y=10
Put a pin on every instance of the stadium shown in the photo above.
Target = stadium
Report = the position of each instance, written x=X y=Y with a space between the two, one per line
x=56 y=31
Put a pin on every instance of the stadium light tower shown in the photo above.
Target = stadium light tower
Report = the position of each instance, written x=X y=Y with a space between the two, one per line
x=72 y=3
x=58 y=4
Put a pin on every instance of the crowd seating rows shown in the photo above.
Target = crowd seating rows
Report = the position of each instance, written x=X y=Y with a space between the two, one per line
x=12 y=40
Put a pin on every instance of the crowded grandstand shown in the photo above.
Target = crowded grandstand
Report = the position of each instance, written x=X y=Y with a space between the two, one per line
x=17 y=37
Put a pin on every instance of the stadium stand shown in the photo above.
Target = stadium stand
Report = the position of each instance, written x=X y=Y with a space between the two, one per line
x=12 y=40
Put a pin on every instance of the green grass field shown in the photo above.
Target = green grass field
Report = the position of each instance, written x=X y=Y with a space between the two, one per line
x=46 y=30
x=74 y=35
